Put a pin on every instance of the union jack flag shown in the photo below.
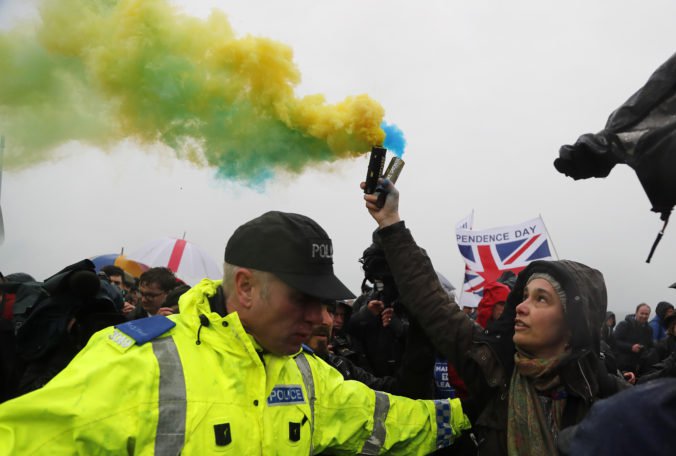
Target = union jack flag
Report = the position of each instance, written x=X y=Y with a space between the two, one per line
x=490 y=253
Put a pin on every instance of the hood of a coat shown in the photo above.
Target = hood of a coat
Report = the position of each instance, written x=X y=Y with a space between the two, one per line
x=586 y=301
x=662 y=308
x=195 y=301
x=494 y=293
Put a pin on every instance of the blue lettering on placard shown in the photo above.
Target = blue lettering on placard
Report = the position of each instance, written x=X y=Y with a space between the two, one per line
x=286 y=394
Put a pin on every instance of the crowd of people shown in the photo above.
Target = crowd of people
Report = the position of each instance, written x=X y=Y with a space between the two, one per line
x=280 y=358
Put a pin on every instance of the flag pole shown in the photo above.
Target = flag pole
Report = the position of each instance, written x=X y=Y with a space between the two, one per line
x=551 y=241
x=470 y=222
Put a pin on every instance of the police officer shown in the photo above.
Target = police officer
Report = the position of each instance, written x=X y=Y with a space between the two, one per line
x=227 y=375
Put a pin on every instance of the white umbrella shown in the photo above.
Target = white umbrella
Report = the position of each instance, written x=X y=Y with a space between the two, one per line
x=189 y=262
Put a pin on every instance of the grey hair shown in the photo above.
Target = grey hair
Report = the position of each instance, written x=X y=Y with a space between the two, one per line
x=229 y=271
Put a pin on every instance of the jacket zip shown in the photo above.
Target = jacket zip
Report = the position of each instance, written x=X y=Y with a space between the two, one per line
x=585 y=380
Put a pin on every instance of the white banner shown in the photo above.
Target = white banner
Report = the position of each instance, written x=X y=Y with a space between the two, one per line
x=490 y=253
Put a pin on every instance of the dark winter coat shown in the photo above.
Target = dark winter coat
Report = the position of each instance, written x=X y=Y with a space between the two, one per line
x=484 y=358
x=382 y=347
x=666 y=367
x=640 y=421
x=628 y=333
x=607 y=332
x=414 y=378
x=657 y=323
x=665 y=347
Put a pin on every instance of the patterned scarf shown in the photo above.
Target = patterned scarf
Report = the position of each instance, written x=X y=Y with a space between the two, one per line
x=536 y=402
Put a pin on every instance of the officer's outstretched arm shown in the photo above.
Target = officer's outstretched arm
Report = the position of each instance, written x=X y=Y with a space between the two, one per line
x=351 y=417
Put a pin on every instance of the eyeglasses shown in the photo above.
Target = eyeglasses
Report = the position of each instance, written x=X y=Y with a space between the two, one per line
x=150 y=295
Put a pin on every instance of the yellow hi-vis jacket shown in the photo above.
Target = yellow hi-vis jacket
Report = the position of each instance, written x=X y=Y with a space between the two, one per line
x=223 y=396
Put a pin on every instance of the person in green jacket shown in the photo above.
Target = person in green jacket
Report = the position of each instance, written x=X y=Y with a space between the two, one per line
x=228 y=375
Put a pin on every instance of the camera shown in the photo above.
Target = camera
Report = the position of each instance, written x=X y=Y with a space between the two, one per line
x=377 y=293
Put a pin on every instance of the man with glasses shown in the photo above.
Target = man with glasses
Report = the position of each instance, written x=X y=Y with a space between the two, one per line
x=154 y=285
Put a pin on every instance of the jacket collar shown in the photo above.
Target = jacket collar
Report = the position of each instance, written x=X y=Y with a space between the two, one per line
x=222 y=332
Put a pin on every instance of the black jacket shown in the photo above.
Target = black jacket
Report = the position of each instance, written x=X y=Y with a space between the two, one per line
x=628 y=333
x=607 y=333
x=382 y=347
x=666 y=367
x=414 y=377
x=351 y=371
x=666 y=347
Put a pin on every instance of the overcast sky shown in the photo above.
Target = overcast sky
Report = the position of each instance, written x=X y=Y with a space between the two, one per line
x=485 y=92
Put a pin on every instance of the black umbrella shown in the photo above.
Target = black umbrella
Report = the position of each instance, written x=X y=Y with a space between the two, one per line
x=642 y=134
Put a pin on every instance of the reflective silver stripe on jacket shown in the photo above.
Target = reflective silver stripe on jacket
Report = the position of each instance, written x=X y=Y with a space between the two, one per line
x=444 y=429
x=170 y=436
x=375 y=442
x=306 y=372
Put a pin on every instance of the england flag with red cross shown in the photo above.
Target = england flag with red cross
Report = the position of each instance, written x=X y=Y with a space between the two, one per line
x=490 y=253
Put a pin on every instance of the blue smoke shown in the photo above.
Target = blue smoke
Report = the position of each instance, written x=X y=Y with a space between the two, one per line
x=394 y=139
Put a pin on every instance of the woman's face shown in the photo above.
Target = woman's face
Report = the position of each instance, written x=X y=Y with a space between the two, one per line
x=540 y=328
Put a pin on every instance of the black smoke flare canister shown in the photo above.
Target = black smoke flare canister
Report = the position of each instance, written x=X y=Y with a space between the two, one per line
x=375 y=169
